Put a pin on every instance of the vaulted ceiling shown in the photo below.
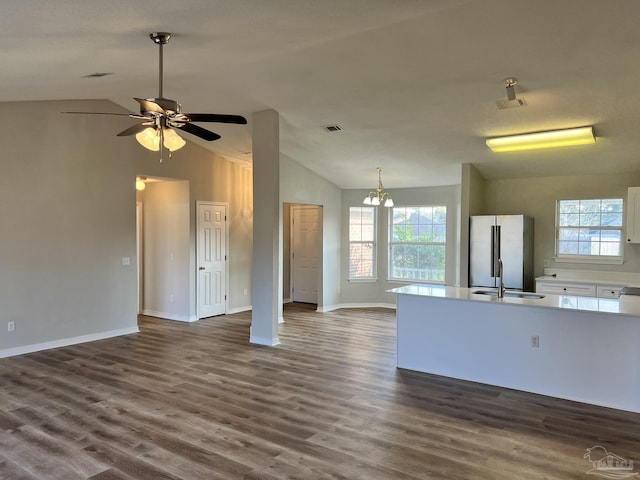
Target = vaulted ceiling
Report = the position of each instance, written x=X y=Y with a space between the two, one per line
x=412 y=83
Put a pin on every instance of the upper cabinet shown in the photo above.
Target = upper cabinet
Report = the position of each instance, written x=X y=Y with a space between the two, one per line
x=633 y=215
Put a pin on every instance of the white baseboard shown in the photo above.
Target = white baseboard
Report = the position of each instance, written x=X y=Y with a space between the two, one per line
x=170 y=316
x=65 y=342
x=329 y=308
x=269 y=342
x=246 y=308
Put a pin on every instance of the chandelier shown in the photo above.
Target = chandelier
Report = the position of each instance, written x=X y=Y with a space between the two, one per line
x=379 y=196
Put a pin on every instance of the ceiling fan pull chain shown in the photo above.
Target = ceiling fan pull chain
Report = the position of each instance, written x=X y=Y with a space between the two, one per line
x=160 y=131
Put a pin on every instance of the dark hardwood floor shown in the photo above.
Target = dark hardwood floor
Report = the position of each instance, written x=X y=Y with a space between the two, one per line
x=196 y=401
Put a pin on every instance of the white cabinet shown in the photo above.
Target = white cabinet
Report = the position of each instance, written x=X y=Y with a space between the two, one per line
x=633 y=215
x=566 y=288
x=608 y=291
x=578 y=289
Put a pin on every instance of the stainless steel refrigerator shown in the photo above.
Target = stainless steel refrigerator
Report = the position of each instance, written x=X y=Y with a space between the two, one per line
x=509 y=237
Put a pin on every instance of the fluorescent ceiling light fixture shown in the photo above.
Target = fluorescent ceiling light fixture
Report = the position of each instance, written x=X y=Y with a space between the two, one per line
x=551 y=139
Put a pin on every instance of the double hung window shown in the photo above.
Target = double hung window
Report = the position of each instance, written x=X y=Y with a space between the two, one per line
x=417 y=243
x=589 y=230
x=362 y=244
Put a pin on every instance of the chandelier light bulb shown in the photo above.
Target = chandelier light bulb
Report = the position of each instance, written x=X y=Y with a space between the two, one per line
x=149 y=138
x=172 y=141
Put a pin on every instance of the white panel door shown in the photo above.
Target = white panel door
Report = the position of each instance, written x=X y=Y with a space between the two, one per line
x=212 y=259
x=304 y=253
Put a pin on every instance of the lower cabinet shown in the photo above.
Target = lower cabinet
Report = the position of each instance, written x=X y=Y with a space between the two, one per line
x=579 y=289
x=608 y=291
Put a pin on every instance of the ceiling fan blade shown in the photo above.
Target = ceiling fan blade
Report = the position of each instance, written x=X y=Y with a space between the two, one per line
x=214 y=117
x=199 y=132
x=149 y=106
x=134 y=129
x=99 y=113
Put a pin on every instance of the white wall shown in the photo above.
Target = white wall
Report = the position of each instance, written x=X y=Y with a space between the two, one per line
x=300 y=185
x=367 y=293
x=166 y=250
x=537 y=198
x=67 y=210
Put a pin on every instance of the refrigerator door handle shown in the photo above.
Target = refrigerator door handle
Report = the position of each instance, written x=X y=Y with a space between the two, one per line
x=495 y=250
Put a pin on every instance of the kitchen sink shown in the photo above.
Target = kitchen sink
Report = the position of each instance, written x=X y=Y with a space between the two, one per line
x=493 y=293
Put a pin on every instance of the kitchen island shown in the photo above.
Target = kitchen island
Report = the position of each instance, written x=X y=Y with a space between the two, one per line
x=577 y=348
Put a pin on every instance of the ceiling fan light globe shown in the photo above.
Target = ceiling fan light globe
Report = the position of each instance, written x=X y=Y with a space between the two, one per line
x=173 y=141
x=149 y=139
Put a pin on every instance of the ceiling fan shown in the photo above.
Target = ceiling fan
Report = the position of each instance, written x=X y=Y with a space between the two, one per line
x=162 y=115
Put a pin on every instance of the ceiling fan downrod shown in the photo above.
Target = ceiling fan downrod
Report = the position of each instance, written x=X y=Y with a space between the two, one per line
x=160 y=38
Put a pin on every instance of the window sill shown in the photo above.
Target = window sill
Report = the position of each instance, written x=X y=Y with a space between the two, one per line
x=594 y=261
x=362 y=280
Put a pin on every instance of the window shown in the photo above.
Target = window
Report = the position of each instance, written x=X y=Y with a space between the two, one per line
x=589 y=230
x=418 y=243
x=362 y=245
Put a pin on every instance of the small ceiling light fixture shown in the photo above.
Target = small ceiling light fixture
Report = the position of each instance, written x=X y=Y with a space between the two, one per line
x=140 y=185
x=550 y=139
x=511 y=101
x=379 y=196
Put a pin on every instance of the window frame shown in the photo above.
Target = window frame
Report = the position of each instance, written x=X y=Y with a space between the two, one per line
x=392 y=243
x=590 y=259
x=374 y=245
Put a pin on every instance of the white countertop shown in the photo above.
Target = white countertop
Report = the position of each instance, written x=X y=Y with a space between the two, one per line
x=626 y=305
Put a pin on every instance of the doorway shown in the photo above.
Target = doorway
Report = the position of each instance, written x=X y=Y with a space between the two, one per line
x=165 y=249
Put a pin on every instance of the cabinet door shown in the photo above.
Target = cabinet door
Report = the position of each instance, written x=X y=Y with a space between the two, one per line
x=578 y=289
x=633 y=215
x=608 y=291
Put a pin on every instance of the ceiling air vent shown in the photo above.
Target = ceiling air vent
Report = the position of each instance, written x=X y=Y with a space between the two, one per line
x=332 y=128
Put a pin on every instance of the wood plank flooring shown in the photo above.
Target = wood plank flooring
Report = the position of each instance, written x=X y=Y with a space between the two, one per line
x=196 y=401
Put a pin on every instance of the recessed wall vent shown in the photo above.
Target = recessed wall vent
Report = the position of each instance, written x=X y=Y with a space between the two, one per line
x=332 y=128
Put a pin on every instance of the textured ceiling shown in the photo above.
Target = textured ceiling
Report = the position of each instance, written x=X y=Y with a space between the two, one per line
x=413 y=83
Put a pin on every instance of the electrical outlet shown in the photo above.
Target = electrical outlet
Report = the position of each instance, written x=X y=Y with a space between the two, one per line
x=244 y=292
x=535 y=341
x=11 y=326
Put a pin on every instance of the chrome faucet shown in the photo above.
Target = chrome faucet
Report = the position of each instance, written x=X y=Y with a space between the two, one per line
x=500 y=276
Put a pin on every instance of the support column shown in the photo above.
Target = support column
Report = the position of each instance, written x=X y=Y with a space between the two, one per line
x=266 y=228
